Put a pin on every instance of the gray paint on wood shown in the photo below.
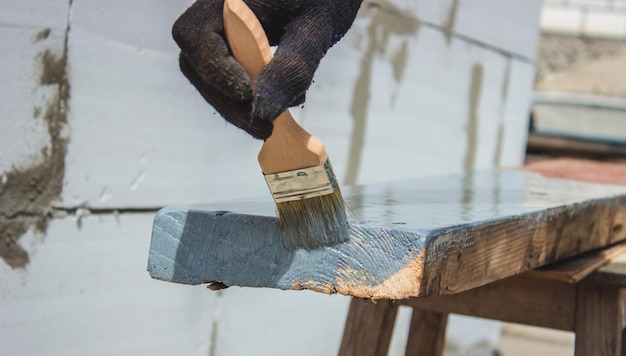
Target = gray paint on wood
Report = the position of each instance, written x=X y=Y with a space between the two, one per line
x=397 y=231
x=194 y=246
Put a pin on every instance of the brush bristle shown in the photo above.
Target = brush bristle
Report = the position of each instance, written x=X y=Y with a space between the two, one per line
x=314 y=222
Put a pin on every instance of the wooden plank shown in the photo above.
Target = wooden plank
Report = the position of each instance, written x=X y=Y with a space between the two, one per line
x=538 y=143
x=368 y=328
x=427 y=333
x=519 y=299
x=429 y=236
x=576 y=268
x=599 y=320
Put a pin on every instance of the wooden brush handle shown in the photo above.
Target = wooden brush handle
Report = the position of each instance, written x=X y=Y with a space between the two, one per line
x=290 y=147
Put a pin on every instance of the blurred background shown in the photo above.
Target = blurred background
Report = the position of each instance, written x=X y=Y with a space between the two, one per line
x=99 y=129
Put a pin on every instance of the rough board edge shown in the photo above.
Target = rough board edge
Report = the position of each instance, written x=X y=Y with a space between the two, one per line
x=397 y=276
x=530 y=241
x=515 y=245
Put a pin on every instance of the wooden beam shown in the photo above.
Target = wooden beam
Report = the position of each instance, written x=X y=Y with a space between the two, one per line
x=538 y=143
x=573 y=270
x=520 y=299
x=429 y=236
x=368 y=328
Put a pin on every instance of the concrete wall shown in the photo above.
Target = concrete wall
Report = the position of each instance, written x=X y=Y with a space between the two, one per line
x=99 y=129
x=590 y=18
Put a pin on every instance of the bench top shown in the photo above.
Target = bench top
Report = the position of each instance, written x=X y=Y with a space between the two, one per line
x=428 y=236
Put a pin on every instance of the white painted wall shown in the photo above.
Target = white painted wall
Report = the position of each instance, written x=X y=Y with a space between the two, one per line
x=140 y=137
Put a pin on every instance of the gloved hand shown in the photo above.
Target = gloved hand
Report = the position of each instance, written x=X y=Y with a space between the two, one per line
x=303 y=31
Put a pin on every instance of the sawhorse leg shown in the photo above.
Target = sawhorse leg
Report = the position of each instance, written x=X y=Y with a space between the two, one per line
x=368 y=328
x=599 y=320
x=427 y=333
x=594 y=310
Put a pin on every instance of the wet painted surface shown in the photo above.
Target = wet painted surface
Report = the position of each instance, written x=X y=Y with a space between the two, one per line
x=397 y=231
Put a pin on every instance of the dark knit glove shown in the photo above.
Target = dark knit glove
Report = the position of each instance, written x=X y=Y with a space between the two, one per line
x=303 y=31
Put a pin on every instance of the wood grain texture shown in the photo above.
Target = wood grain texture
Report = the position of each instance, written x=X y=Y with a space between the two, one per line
x=430 y=236
x=427 y=333
x=599 y=320
x=518 y=299
x=246 y=38
x=575 y=269
x=368 y=328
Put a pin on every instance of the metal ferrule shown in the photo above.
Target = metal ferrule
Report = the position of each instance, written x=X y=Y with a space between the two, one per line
x=302 y=183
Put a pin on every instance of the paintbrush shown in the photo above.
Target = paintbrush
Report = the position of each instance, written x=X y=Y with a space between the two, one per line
x=295 y=164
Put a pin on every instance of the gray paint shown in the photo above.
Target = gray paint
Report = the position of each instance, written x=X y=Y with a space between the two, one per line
x=194 y=246
x=238 y=243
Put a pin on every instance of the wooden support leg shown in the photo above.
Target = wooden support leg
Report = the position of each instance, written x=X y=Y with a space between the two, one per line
x=427 y=333
x=599 y=320
x=368 y=328
x=623 y=342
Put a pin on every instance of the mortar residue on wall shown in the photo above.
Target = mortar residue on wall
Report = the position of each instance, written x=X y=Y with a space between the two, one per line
x=448 y=26
x=386 y=20
x=472 y=117
x=505 y=93
x=27 y=194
